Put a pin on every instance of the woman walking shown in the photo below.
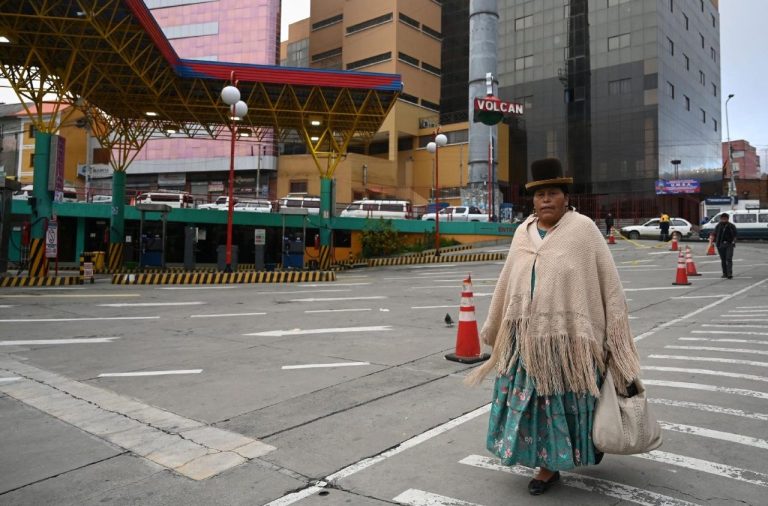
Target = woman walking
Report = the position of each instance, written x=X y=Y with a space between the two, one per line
x=558 y=311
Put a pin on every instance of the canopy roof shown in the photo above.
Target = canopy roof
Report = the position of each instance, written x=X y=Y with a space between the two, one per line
x=113 y=54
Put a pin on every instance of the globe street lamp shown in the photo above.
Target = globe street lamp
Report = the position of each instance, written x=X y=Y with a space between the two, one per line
x=230 y=95
x=732 y=184
x=434 y=147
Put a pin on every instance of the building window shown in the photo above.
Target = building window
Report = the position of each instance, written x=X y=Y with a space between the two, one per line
x=430 y=105
x=431 y=68
x=431 y=32
x=326 y=54
x=409 y=98
x=523 y=23
x=701 y=2
x=31 y=160
x=409 y=21
x=527 y=102
x=670 y=90
x=618 y=42
x=702 y=78
x=613 y=3
x=32 y=131
x=714 y=124
x=620 y=87
x=687 y=62
x=298 y=186
x=714 y=89
x=685 y=21
x=379 y=20
x=713 y=53
x=703 y=115
x=714 y=23
x=671 y=5
x=567 y=10
x=327 y=22
x=702 y=40
x=687 y=103
x=408 y=59
x=524 y=62
x=371 y=60
x=671 y=46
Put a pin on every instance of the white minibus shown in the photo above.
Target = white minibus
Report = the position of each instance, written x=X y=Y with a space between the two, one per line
x=301 y=200
x=169 y=198
x=750 y=223
x=370 y=208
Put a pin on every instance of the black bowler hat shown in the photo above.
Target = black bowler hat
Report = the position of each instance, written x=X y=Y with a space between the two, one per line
x=547 y=172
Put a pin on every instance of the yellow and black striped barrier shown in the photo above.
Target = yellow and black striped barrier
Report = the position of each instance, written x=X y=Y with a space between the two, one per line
x=467 y=257
x=160 y=270
x=325 y=257
x=21 y=281
x=447 y=249
x=214 y=278
x=38 y=263
x=116 y=252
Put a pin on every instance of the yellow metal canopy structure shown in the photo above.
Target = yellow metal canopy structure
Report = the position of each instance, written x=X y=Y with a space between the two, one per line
x=112 y=55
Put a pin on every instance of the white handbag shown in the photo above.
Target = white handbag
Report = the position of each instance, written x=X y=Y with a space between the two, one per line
x=624 y=425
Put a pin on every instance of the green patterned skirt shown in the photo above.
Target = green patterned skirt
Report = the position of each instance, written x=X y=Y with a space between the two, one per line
x=525 y=428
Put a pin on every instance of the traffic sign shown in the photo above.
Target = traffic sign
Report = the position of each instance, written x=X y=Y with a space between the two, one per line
x=52 y=240
x=259 y=236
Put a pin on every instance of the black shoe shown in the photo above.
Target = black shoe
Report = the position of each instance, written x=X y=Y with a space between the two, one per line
x=538 y=487
x=723 y=276
x=599 y=457
x=730 y=277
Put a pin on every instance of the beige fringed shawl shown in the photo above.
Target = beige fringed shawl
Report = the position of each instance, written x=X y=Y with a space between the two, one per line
x=578 y=312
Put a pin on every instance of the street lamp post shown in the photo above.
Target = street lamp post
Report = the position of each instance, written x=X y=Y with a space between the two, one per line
x=434 y=147
x=732 y=184
x=230 y=95
x=676 y=164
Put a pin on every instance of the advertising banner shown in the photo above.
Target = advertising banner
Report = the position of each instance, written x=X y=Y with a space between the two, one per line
x=677 y=186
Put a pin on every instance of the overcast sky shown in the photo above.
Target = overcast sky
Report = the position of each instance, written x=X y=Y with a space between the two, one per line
x=743 y=69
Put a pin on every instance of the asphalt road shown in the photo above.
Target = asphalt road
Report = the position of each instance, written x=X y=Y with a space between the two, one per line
x=338 y=393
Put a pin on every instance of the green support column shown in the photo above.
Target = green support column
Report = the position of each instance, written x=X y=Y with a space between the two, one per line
x=41 y=212
x=117 y=222
x=327 y=206
x=80 y=237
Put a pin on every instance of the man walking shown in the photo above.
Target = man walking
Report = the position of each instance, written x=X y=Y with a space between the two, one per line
x=725 y=240
x=608 y=224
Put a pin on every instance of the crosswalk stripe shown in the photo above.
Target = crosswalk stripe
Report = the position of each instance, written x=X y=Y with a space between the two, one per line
x=589 y=484
x=712 y=359
x=745 y=316
x=705 y=466
x=731 y=326
x=730 y=332
x=707 y=388
x=707 y=372
x=415 y=497
x=714 y=340
x=711 y=408
x=36 y=342
x=711 y=348
x=716 y=434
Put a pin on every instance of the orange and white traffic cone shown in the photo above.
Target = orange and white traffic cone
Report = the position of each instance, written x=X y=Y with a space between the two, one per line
x=682 y=275
x=711 y=247
x=467 y=337
x=673 y=246
x=611 y=238
x=690 y=267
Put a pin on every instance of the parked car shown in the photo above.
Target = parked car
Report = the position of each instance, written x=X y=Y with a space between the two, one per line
x=221 y=202
x=101 y=199
x=69 y=194
x=170 y=198
x=678 y=227
x=458 y=213
x=254 y=206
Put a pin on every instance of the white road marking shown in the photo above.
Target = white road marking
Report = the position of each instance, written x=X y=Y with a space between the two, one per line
x=712 y=359
x=415 y=497
x=729 y=332
x=705 y=466
x=291 y=292
x=710 y=348
x=335 y=299
x=31 y=342
x=659 y=252
x=656 y=288
x=434 y=307
x=742 y=341
x=738 y=325
x=336 y=284
x=208 y=287
x=707 y=372
x=151 y=304
x=700 y=310
x=751 y=307
x=715 y=434
x=710 y=408
x=700 y=296
x=748 y=311
x=743 y=316
x=337 y=310
x=707 y=388
x=225 y=315
x=370 y=461
x=84 y=319
x=581 y=482
x=637 y=261
x=5 y=306
x=427 y=266
x=430 y=287
x=68 y=296
x=320 y=366
x=9 y=379
x=339 y=330
x=148 y=373
x=751 y=320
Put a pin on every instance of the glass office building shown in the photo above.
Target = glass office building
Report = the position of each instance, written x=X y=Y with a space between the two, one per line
x=616 y=89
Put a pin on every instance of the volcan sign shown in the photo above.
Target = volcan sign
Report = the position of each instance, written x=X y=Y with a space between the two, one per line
x=491 y=110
